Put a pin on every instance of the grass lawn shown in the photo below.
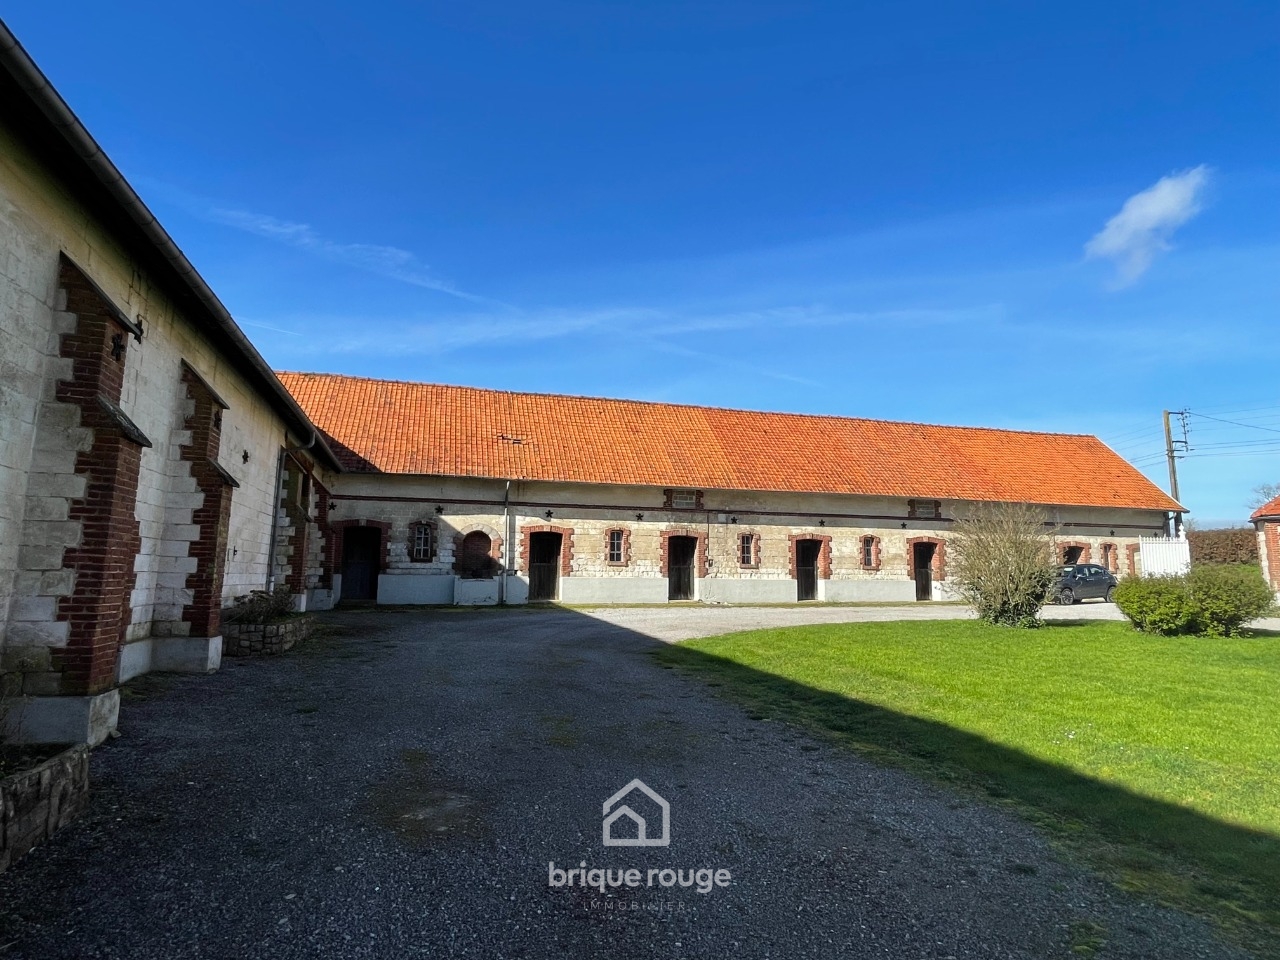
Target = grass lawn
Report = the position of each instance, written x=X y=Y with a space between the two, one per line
x=1157 y=759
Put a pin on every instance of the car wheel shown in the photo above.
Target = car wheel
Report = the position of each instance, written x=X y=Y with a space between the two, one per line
x=1111 y=592
x=1066 y=596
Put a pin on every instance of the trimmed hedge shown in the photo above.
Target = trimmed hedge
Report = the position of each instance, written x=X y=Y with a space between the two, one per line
x=1238 y=545
x=1213 y=600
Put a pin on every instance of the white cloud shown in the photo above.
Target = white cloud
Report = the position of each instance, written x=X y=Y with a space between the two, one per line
x=1143 y=227
x=385 y=261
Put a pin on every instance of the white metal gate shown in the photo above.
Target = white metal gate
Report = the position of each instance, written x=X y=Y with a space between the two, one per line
x=1164 y=555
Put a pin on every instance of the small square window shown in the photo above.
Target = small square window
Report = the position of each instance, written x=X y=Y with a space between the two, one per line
x=924 y=509
x=747 y=550
x=616 y=552
x=684 y=499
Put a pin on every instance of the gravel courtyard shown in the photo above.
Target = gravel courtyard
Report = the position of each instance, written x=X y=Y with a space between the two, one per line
x=398 y=788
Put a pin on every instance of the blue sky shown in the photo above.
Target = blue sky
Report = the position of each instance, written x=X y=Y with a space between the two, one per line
x=1006 y=214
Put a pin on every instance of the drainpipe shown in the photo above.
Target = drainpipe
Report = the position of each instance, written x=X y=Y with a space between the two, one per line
x=506 y=547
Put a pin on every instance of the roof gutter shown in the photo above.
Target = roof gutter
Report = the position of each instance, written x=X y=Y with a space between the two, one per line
x=49 y=102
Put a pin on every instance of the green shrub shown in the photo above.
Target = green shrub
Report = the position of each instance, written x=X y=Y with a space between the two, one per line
x=1160 y=605
x=1213 y=600
x=1226 y=596
x=260 y=606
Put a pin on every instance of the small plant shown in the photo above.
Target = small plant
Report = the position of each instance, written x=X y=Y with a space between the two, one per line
x=1003 y=563
x=1226 y=597
x=1159 y=605
x=260 y=606
x=1213 y=600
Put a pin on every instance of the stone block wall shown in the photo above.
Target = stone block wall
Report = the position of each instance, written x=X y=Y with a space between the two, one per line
x=37 y=803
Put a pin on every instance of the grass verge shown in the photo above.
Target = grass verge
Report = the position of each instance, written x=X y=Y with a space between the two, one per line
x=1156 y=760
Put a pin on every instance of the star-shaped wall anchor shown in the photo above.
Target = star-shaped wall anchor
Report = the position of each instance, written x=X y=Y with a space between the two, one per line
x=117 y=347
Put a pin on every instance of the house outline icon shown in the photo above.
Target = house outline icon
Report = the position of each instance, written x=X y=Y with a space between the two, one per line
x=642 y=838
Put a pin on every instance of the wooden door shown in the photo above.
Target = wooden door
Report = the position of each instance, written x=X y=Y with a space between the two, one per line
x=361 y=556
x=682 y=553
x=544 y=566
x=807 y=552
x=923 y=561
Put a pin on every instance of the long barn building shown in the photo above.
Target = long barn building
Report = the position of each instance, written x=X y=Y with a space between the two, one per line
x=460 y=495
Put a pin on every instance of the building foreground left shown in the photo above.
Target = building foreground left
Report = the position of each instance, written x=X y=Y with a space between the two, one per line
x=144 y=442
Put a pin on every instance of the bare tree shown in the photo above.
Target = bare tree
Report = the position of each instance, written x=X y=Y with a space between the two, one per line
x=1003 y=562
x=1264 y=493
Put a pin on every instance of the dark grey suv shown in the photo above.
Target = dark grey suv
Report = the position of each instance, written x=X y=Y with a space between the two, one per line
x=1081 y=581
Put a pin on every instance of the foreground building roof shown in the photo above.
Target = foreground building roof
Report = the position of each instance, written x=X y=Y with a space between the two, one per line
x=1268 y=511
x=387 y=426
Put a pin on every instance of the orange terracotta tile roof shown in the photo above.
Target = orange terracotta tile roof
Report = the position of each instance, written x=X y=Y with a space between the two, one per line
x=424 y=428
x=1269 y=509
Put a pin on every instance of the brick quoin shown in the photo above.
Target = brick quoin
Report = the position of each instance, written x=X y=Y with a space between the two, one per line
x=875 y=552
x=1271 y=536
x=98 y=609
x=939 y=564
x=665 y=549
x=300 y=519
x=566 y=545
x=1131 y=558
x=824 y=554
x=626 y=547
x=204 y=613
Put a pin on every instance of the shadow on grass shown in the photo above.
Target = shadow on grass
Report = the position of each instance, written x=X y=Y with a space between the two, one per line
x=1229 y=874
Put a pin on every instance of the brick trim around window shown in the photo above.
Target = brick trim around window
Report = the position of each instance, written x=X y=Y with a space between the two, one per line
x=1131 y=558
x=566 y=545
x=939 y=564
x=755 y=550
x=1113 y=566
x=1086 y=551
x=933 y=509
x=626 y=547
x=875 y=552
x=664 y=549
x=824 y=553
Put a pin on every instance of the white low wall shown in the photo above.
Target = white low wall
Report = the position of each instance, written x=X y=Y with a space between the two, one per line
x=753 y=590
x=867 y=591
x=474 y=593
x=613 y=590
x=409 y=589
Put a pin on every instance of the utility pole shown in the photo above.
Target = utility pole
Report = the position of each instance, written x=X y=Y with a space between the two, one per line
x=1172 y=457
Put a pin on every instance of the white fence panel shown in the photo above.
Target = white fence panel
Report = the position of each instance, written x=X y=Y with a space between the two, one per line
x=1164 y=555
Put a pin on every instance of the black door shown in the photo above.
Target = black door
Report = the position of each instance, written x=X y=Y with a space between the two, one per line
x=544 y=566
x=922 y=557
x=807 y=569
x=361 y=549
x=681 y=554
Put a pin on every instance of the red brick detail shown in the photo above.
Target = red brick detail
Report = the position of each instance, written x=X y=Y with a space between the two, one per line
x=939 y=564
x=626 y=547
x=204 y=613
x=664 y=549
x=924 y=509
x=566 y=545
x=98 y=610
x=1110 y=557
x=875 y=552
x=495 y=543
x=1131 y=558
x=755 y=550
x=1086 y=551
x=824 y=554
x=297 y=509
x=668 y=498
x=1270 y=530
x=336 y=529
